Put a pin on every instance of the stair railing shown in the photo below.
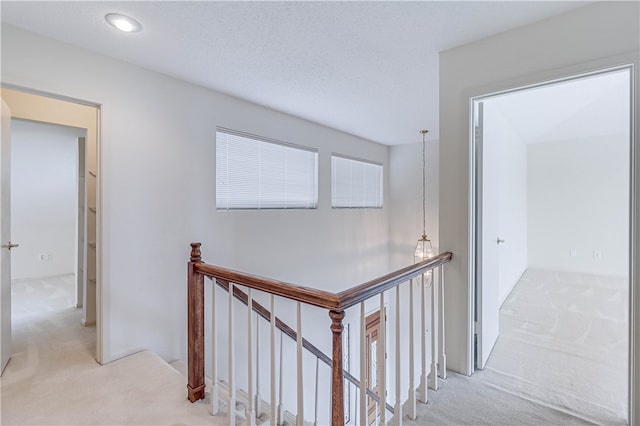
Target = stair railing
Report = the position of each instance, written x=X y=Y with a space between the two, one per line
x=336 y=304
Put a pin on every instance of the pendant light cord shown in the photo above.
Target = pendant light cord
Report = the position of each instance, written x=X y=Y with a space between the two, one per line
x=424 y=183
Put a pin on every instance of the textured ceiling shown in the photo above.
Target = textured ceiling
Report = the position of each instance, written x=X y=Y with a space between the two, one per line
x=584 y=108
x=367 y=68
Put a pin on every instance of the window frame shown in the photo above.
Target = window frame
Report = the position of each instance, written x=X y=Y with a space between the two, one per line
x=361 y=160
x=263 y=139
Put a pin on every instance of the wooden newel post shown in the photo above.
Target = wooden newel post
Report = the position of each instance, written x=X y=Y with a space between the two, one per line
x=195 y=324
x=337 y=381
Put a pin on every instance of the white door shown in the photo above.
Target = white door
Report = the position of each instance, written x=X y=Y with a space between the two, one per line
x=5 y=237
x=487 y=242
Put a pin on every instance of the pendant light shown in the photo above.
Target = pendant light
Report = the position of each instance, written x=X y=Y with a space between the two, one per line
x=424 y=249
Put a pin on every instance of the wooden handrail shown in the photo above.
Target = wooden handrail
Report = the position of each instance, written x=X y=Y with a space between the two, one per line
x=290 y=332
x=364 y=291
x=310 y=296
x=321 y=298
x=336 y=303
x=280 y=325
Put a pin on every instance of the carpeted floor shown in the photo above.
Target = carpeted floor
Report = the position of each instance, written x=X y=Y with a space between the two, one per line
x=464 y=400
x=563 y=342
x=33 y=299
x=52 y=379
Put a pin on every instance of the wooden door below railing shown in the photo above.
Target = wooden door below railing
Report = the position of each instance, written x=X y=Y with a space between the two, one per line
x=372 y=329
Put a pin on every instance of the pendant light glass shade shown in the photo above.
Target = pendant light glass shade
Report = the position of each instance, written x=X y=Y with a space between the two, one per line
x=424 y=249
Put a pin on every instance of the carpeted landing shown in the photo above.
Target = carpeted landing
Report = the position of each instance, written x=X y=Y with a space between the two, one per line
x=53 y=379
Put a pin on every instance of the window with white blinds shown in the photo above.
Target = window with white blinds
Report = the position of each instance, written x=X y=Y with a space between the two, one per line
x=258 y=173
x=355 y=183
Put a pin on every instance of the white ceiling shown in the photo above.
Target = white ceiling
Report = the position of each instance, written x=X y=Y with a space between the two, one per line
x=367 y=68
x=593 y=106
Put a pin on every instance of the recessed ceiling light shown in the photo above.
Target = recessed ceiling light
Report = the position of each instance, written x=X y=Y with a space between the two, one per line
x=123 y=23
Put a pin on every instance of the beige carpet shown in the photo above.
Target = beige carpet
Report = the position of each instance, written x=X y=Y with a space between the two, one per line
x=563 y=342
x=32 y=299
x=53 y=379
x=464 y=400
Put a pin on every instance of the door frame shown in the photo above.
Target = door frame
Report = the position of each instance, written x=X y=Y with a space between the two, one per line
x=33 y=105
x=81 y=222
x=634 y=164
x=372 y=325
x=5 y=233
x=481 y=351
x=369 y=314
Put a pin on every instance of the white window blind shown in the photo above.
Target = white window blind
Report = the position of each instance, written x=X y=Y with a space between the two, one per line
x=258 y=173
x=355 y=183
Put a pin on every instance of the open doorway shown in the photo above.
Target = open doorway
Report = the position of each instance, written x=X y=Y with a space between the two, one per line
x=552 y=242
x=47 y=167
x=24 y=109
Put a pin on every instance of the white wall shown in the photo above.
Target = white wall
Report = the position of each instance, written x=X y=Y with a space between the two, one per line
x=556 y=47
x=509 y=167
x=405 y=221
x=158 y=186
x=43 y=199
x=405 y=227
x=578 y=200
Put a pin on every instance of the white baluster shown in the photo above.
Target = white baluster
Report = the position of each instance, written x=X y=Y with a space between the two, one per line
x=363 y=365
x=382 y=363
x=300 y=414
x=258 y=398
x=442 y=359
x=280 y=407
x=397 y=408
x=423 y=342
x=315 y=415
x=355 y=415
x=251 y=417
x=215 y=391
x=411 y=403
x=433 y=374
x=231 y=404
x=272 y=325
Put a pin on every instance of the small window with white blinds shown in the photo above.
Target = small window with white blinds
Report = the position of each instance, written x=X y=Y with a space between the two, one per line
x=355 y=183
x=258 y=173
